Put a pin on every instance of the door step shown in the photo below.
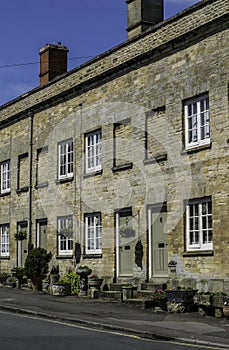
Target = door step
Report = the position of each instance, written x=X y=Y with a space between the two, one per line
x=140 y=304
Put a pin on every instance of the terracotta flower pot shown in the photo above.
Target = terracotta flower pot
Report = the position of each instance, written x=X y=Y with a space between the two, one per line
x=226 y=311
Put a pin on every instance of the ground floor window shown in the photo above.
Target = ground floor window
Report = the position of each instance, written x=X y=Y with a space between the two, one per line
x=199 y=224
x=4 y=240
x=93 y=233
x=65 y=235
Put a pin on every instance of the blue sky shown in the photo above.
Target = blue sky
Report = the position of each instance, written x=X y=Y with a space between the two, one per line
x=86 y=27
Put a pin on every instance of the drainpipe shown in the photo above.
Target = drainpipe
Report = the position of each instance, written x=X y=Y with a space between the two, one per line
x=30 y=115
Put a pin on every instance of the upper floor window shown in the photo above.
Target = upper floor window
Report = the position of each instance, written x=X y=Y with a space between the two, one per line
x=65 y=235
x=4 y=240
x=93 y=227
x=23 y=171
x=65 y=152
x=197 y=122
x=42 y=171
x=123 y=145
x=93 y=146
x=199 y=224
x=5 y=176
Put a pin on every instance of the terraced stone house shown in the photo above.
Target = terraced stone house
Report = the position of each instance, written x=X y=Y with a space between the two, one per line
x=122 y=164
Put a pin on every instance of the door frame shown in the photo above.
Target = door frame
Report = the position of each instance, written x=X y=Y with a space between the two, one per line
x=153 y=208
x=38 y=222
x=21 y=225
x=117 y=245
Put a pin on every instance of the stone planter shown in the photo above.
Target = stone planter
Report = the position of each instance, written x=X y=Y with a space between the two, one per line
x=127 y=292
x=19 y=274
x=61 y=289
x=180 y=295
x=180 y=300
x=45 y=286
x=203 y=299
x=83 y=272
x=95 y=282
x=219 y=300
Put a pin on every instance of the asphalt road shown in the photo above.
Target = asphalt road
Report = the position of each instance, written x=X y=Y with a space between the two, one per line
x=19 y=332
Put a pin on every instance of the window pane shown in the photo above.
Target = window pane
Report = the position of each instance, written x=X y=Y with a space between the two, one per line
x=94 y=150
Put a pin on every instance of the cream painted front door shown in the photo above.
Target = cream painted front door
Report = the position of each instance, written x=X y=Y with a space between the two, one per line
x=42 y=234
x=22 y=246
x=126 y=239
x=159 y=245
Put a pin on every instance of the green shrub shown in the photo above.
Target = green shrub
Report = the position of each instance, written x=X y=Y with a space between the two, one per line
x=36 y=263
x=74 y=279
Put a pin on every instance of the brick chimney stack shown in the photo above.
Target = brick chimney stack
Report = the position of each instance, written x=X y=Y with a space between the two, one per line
x=53 y=62
x=143 y=14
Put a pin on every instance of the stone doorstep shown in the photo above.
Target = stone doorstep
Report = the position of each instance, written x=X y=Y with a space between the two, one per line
x=140 y=304
x=143 y=294
x=116 y=287
x=111 y=295
x=153 y=286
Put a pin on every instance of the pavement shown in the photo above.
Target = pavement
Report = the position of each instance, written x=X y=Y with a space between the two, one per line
x=99 y=313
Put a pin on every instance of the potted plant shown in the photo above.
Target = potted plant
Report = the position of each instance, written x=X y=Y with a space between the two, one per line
x=20 y=236
x=159 y=297
x=70 y=279
x=36 y=266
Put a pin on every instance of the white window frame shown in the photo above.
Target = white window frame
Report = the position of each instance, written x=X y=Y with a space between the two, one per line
x=4 y=240
x=93 y=223
x=65 y=159
x=197 y=229
x=197 y=112
x=65 y=239
x=5 y=177
x=93 y=148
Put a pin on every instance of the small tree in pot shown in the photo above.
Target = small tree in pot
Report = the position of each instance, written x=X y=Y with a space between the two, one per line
x=36 y=266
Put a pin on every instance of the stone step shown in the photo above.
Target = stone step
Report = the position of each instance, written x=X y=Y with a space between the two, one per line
x=143 y=294
x=111 y=295
x=140 y=304
x=152 y=286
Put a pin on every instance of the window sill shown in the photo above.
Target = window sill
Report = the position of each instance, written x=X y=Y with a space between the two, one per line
x=92 y=256
x=157 y=159
x=42 y=185
x=122 y=167
x=198 y=253
x=67 y=179
x=93 y=173
x=198 y=148
x=5 y=194
x=22 y=189
x=64 y=256
x=4 y=257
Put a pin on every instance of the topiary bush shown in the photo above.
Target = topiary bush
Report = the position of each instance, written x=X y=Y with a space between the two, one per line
x=36 y=263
